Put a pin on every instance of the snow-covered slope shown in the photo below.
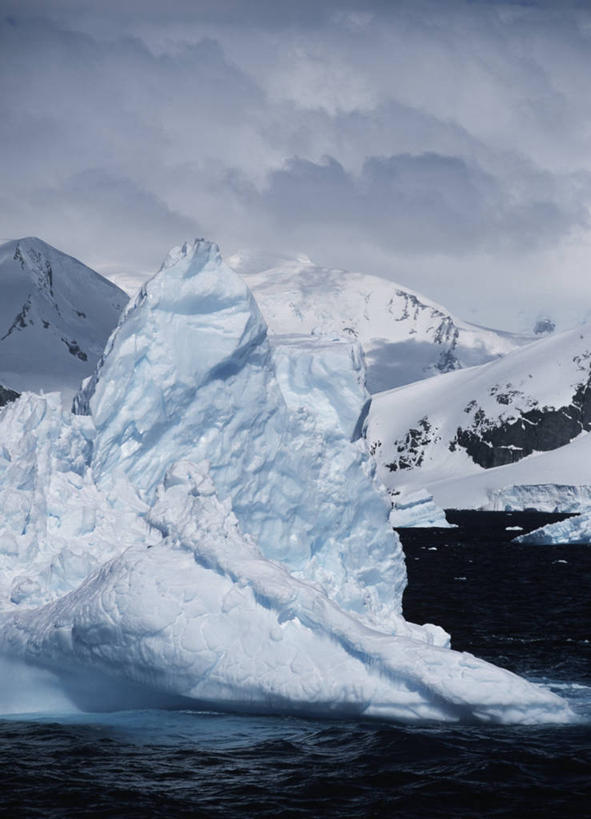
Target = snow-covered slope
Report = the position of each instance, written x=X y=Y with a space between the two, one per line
x=55 y=317
x=405 y=336
x=465 y=434
x=211 y=536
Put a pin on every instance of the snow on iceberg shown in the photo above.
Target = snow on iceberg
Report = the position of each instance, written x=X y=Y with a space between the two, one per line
x=238 y=552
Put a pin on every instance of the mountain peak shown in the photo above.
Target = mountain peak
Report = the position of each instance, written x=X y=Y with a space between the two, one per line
x=55 y=317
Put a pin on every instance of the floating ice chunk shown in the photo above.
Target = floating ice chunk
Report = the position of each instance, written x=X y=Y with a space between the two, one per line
x=418 y=509
x=572 y=530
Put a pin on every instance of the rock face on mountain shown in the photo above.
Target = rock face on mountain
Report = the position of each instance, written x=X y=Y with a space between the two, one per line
x=534 y=400
x=211 y=534
x=405 y=336
x=491 y=442
x=6 y=396
x=55 y=317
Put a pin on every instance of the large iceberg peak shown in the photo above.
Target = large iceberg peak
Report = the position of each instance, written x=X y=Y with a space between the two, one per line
x=201 y=252
x=190 y=375
x=195 y=281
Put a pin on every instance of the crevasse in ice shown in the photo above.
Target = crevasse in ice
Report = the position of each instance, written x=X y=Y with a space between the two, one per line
x=212 y=533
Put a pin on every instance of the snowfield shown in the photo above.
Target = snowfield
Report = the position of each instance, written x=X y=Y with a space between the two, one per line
x=405 y=336
x=208 y=531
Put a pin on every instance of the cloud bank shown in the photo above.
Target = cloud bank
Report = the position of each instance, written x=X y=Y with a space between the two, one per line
x=444 y=145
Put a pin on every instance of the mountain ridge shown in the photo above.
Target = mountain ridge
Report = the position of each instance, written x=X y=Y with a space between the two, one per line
x=55 y=317
x=405 y=336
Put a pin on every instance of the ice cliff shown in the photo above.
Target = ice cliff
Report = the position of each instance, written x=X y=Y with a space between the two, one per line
x=207 y=529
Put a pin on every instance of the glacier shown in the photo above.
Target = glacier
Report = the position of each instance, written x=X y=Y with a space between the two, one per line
x=207 y=528
x=544 y=497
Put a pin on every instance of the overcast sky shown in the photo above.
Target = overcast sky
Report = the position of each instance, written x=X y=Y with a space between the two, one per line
x=445 y=145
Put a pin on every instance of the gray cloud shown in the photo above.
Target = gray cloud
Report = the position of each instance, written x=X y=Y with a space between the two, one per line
x=426 y=202
x=437 y=143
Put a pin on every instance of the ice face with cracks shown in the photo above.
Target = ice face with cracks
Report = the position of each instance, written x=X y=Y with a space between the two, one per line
x=190 y=374
x=256 y=568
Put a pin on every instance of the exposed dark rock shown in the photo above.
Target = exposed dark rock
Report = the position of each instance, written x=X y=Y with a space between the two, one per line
x=447 y=332
x=20 y=321
x=18 y=256
x=6 y=395
x=412 y=447
x=505 y=395
x=410 y=302
x=74 y=349
x=492 y=443
x=447 y=361
x=544 y=326
x=374 y=446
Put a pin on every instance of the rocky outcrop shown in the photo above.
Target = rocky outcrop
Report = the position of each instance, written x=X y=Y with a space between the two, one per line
x=492 y=443
x=6 y=396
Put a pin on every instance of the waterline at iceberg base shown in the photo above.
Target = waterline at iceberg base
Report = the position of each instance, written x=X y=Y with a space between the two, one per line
x=207 y=529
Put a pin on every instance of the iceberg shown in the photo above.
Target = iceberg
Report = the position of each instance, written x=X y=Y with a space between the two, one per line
x=573 y=530
x=418 y=510
x=206 y=530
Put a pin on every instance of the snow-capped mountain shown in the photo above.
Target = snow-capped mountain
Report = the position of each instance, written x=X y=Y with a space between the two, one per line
x=211 y=533
x=405 y=336
x=465 y=434
x=55 y=317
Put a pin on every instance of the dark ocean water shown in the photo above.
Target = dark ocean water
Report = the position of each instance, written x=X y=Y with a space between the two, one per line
x=523 y=607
